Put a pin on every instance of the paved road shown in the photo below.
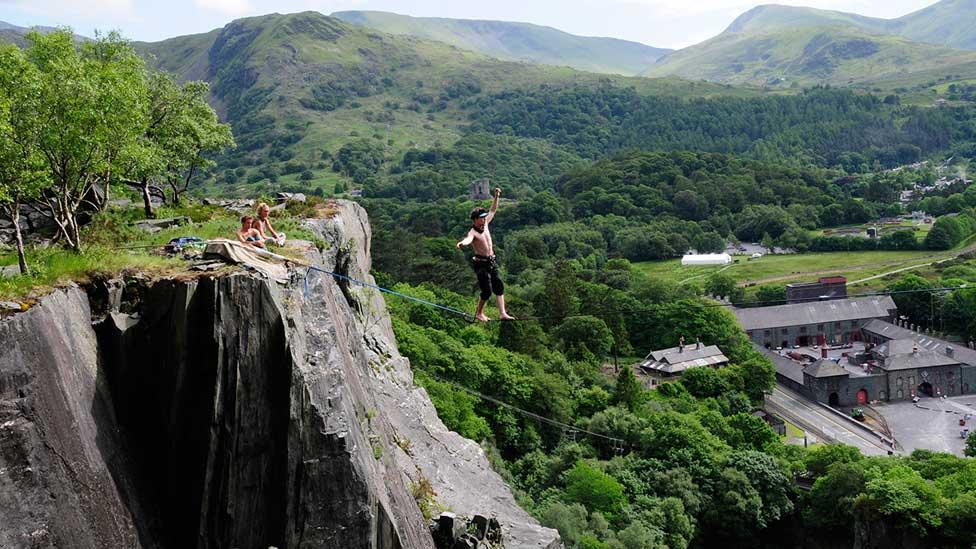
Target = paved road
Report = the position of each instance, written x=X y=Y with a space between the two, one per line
x=812 y=417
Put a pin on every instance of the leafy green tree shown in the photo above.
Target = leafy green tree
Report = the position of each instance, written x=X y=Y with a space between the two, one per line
x=970 y=449
x=704 y=382
x=900 y=496
x=820 y=458
x=23 y=174
x=91 y=99
x=584 y=336
x=917 y=305
x=595 y=490
x=723 y=286
x=758 y=377
x=558 y=297
x=627 y=391
x=830 y=503
x=771 y=294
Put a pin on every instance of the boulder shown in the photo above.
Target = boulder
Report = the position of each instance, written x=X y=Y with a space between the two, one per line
x=156 y=225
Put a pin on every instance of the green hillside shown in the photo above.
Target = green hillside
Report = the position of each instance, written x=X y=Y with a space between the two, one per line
x=950 y=23
x=774 y=17
x=517 y=41
x=807 y=55
x=298 y=87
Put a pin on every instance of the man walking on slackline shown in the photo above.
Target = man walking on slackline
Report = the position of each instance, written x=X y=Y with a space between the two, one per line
x=484 y=264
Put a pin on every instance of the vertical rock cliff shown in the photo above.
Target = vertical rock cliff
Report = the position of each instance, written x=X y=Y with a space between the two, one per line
x=229 y=412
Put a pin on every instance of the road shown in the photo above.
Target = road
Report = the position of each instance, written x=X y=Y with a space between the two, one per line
x=810 y=416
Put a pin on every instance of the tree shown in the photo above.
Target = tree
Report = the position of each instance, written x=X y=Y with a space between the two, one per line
x=628 y=390
x=584 y=335
x=188 y=132
x=90 y=99
x=722 y=286
x=22 y=168
x=917 y=305
x=595 y=490
x=771 y=294
x=704 y=382
x=558 y=298
x=970 y=450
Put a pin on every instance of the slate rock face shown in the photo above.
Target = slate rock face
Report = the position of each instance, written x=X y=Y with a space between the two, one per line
x=59 y=450
x=456 y=467
x=229 y=412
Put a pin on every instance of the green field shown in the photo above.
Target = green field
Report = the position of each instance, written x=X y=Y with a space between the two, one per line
x=795 y=267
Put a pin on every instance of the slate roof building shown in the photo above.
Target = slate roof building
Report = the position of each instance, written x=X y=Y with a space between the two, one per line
x=897 y=364
x=674 y=361
x=815 y=322
x=831 y=287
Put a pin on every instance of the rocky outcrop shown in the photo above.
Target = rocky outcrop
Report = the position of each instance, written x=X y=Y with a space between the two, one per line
x=456 y=467
x=229 y=412
x=60 y=454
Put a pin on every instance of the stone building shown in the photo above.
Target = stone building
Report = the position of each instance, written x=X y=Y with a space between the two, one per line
x=674 y=361
x=831 y=287
x=896 y=364
x=481 y=189
x=813 y=323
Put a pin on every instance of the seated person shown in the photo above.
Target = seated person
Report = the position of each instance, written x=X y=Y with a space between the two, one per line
x=264 y=226
x=247 y=234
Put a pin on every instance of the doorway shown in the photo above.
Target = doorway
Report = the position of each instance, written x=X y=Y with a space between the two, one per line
x=862 y=397
x=833 y=399
x=925 y=388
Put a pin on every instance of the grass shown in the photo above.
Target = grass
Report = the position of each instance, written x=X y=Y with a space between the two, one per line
x=111 y=245
x=793 y=267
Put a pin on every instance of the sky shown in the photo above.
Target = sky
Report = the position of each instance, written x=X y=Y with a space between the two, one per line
x=660 y=23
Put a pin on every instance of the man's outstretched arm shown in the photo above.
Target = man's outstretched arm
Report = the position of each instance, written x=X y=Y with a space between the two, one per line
x=494 y=206
x=467 y=240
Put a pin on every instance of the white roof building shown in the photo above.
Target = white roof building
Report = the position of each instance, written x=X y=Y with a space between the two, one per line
x=706 y=259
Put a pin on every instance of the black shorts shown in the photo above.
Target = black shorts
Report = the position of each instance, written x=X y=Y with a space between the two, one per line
x=488 y=279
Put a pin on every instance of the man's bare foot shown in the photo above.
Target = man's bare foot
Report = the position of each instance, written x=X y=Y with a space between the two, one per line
x=505 y=316
x=482 y=317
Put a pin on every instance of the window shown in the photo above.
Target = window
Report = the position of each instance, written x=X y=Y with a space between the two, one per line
x=853 y=324
x=784 y=331
x=882 y=395
x=766 y=332
x=803 y=329
x=820 y=328
x=900 y=394
x=911 y=380
x=900 y=382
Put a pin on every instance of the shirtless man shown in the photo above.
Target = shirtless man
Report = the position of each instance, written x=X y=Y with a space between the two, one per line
x=484 y=264
x=247 y=234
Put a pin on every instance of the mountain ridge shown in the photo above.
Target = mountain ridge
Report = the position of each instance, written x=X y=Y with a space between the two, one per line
x=517 y=41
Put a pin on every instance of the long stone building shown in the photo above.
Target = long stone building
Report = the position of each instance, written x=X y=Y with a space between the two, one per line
x=895 y=364
x=814 y=323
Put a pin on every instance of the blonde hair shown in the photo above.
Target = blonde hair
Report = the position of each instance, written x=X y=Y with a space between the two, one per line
x=263 y=206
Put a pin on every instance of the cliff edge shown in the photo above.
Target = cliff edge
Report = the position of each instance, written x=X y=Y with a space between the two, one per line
x=229 y=412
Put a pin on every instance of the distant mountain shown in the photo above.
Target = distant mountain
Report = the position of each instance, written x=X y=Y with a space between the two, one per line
x=296 y=88
x=773 y=17
x=517 y=41
x=13 y=34
x=783 y=45
x=950 y=23
x=812 y=55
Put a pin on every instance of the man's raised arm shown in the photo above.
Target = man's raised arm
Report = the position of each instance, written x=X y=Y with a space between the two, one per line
x=494 y=206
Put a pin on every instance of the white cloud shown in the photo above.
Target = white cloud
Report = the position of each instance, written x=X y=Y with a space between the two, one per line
x=233 y=8
x=90 y=9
